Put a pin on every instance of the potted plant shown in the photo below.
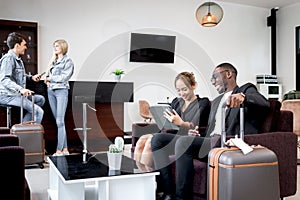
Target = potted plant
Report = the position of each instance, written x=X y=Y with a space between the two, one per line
x=118 y=73
x=114 y=154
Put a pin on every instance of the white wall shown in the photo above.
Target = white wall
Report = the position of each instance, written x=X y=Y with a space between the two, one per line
x=98 y=34
x=287 y=19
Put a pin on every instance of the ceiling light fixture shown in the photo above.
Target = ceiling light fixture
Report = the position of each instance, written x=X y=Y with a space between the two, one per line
x=209 y=14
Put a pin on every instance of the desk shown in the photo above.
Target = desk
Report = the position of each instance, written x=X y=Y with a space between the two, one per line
x=107 y=123
x=69 y=178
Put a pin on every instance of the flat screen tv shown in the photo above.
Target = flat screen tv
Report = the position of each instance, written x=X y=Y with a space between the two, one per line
x=152 y=48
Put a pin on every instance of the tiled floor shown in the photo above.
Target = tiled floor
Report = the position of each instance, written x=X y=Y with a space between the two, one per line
x=39 y=188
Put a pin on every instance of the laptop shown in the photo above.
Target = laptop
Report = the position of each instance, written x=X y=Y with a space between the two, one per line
x=158 y=115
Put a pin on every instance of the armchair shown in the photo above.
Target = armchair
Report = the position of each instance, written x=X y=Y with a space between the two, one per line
x=277 y=135
x=294 y=106
x=144 y=110
x=12 y=169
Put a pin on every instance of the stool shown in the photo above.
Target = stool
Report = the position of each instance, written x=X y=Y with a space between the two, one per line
x=8 y=116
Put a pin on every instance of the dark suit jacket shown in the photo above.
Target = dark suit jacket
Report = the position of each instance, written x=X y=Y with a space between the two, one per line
x=256 y=107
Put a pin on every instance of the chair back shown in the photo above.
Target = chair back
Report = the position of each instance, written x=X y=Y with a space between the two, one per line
x=271 y=121
x=293 y=105
x=144 y=107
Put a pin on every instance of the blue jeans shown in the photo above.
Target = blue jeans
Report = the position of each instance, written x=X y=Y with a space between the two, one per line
x=58 y=100
x=15 y=100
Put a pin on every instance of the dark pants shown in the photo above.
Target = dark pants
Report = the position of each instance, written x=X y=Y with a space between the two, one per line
x=186 y=149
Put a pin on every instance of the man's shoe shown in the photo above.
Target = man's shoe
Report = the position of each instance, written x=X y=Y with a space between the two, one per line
x=159 y=196
x=168 y=197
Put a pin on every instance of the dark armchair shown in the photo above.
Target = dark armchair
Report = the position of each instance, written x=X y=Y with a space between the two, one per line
x=12 y=169
x=277 y=135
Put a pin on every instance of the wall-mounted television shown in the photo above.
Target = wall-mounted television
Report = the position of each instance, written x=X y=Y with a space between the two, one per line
x=152 y=48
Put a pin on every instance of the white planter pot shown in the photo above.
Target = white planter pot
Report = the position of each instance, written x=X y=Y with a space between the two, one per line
x=118 y=77
x=114 y=160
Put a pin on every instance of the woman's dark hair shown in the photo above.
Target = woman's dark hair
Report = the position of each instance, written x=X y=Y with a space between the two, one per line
x=187 y=77
x=14 y=38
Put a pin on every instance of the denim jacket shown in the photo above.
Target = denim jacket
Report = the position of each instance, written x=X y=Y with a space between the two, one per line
x=12 y=74
x=60 y=73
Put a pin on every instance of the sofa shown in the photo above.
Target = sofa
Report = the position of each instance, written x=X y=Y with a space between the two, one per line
x=277 y=135
x=12 y=169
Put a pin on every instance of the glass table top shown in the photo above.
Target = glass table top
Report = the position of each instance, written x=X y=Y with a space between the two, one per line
x=73 y=167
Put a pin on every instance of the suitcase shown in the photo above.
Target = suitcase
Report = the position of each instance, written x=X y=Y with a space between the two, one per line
x=5 y=109
x=235 y=176
x=31 y=137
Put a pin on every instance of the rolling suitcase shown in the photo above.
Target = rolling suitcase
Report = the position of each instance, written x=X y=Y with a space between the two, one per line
x=31 y=137
x=233 y=175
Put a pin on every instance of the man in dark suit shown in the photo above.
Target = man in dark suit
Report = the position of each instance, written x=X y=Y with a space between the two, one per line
x=196 y=146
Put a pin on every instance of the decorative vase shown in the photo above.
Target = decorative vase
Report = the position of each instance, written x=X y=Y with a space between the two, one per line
x=114 y=160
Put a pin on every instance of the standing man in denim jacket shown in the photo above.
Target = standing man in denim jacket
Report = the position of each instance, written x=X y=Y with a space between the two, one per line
x=13 y=80
x=61 y=69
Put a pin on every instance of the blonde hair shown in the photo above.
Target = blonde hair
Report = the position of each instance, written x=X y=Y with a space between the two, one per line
x=64 y=47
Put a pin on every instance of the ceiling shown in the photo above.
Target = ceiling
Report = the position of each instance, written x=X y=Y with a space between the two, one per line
x=264 y=3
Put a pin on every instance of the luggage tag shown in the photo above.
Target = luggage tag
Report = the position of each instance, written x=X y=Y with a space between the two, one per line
x=239 y=143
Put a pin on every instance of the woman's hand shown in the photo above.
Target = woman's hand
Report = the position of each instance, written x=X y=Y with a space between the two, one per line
x=47 y=82
x=173 y=117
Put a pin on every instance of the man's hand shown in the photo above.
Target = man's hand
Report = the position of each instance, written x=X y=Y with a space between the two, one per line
x=36 y=77
x=235 y=100
x=25 y=92
x=194 y=132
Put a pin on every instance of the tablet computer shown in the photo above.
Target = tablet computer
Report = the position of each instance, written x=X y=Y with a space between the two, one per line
x=158 y=115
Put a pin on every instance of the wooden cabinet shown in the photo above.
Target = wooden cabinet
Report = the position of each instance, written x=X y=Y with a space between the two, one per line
x=29 y=30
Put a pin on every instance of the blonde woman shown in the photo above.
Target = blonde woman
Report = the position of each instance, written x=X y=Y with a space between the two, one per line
x=60 y=70
x=189 y=111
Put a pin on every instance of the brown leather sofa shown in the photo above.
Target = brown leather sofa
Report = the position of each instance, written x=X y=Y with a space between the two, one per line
x=277 y=135
x=12 y=169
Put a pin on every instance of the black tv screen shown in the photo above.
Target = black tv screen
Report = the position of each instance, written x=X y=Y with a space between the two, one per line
x=152 y=48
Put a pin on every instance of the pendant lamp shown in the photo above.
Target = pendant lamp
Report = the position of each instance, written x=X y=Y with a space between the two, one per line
x=209 y=14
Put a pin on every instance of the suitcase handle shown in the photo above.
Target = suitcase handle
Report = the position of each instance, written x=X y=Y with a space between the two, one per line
x=21 y=113
x=223 y=117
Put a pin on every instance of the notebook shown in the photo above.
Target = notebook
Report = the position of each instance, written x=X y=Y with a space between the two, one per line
x=158 y=115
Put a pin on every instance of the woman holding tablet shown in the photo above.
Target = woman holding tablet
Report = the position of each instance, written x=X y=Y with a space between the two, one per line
x=188 y=111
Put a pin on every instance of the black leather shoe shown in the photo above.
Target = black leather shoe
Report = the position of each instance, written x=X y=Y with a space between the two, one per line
x=164 y=197
x=168 y=197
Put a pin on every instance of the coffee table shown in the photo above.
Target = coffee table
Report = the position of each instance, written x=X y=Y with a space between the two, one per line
x=70 y=178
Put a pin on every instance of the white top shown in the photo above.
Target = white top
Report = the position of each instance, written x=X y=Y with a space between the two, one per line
x=218 y=124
